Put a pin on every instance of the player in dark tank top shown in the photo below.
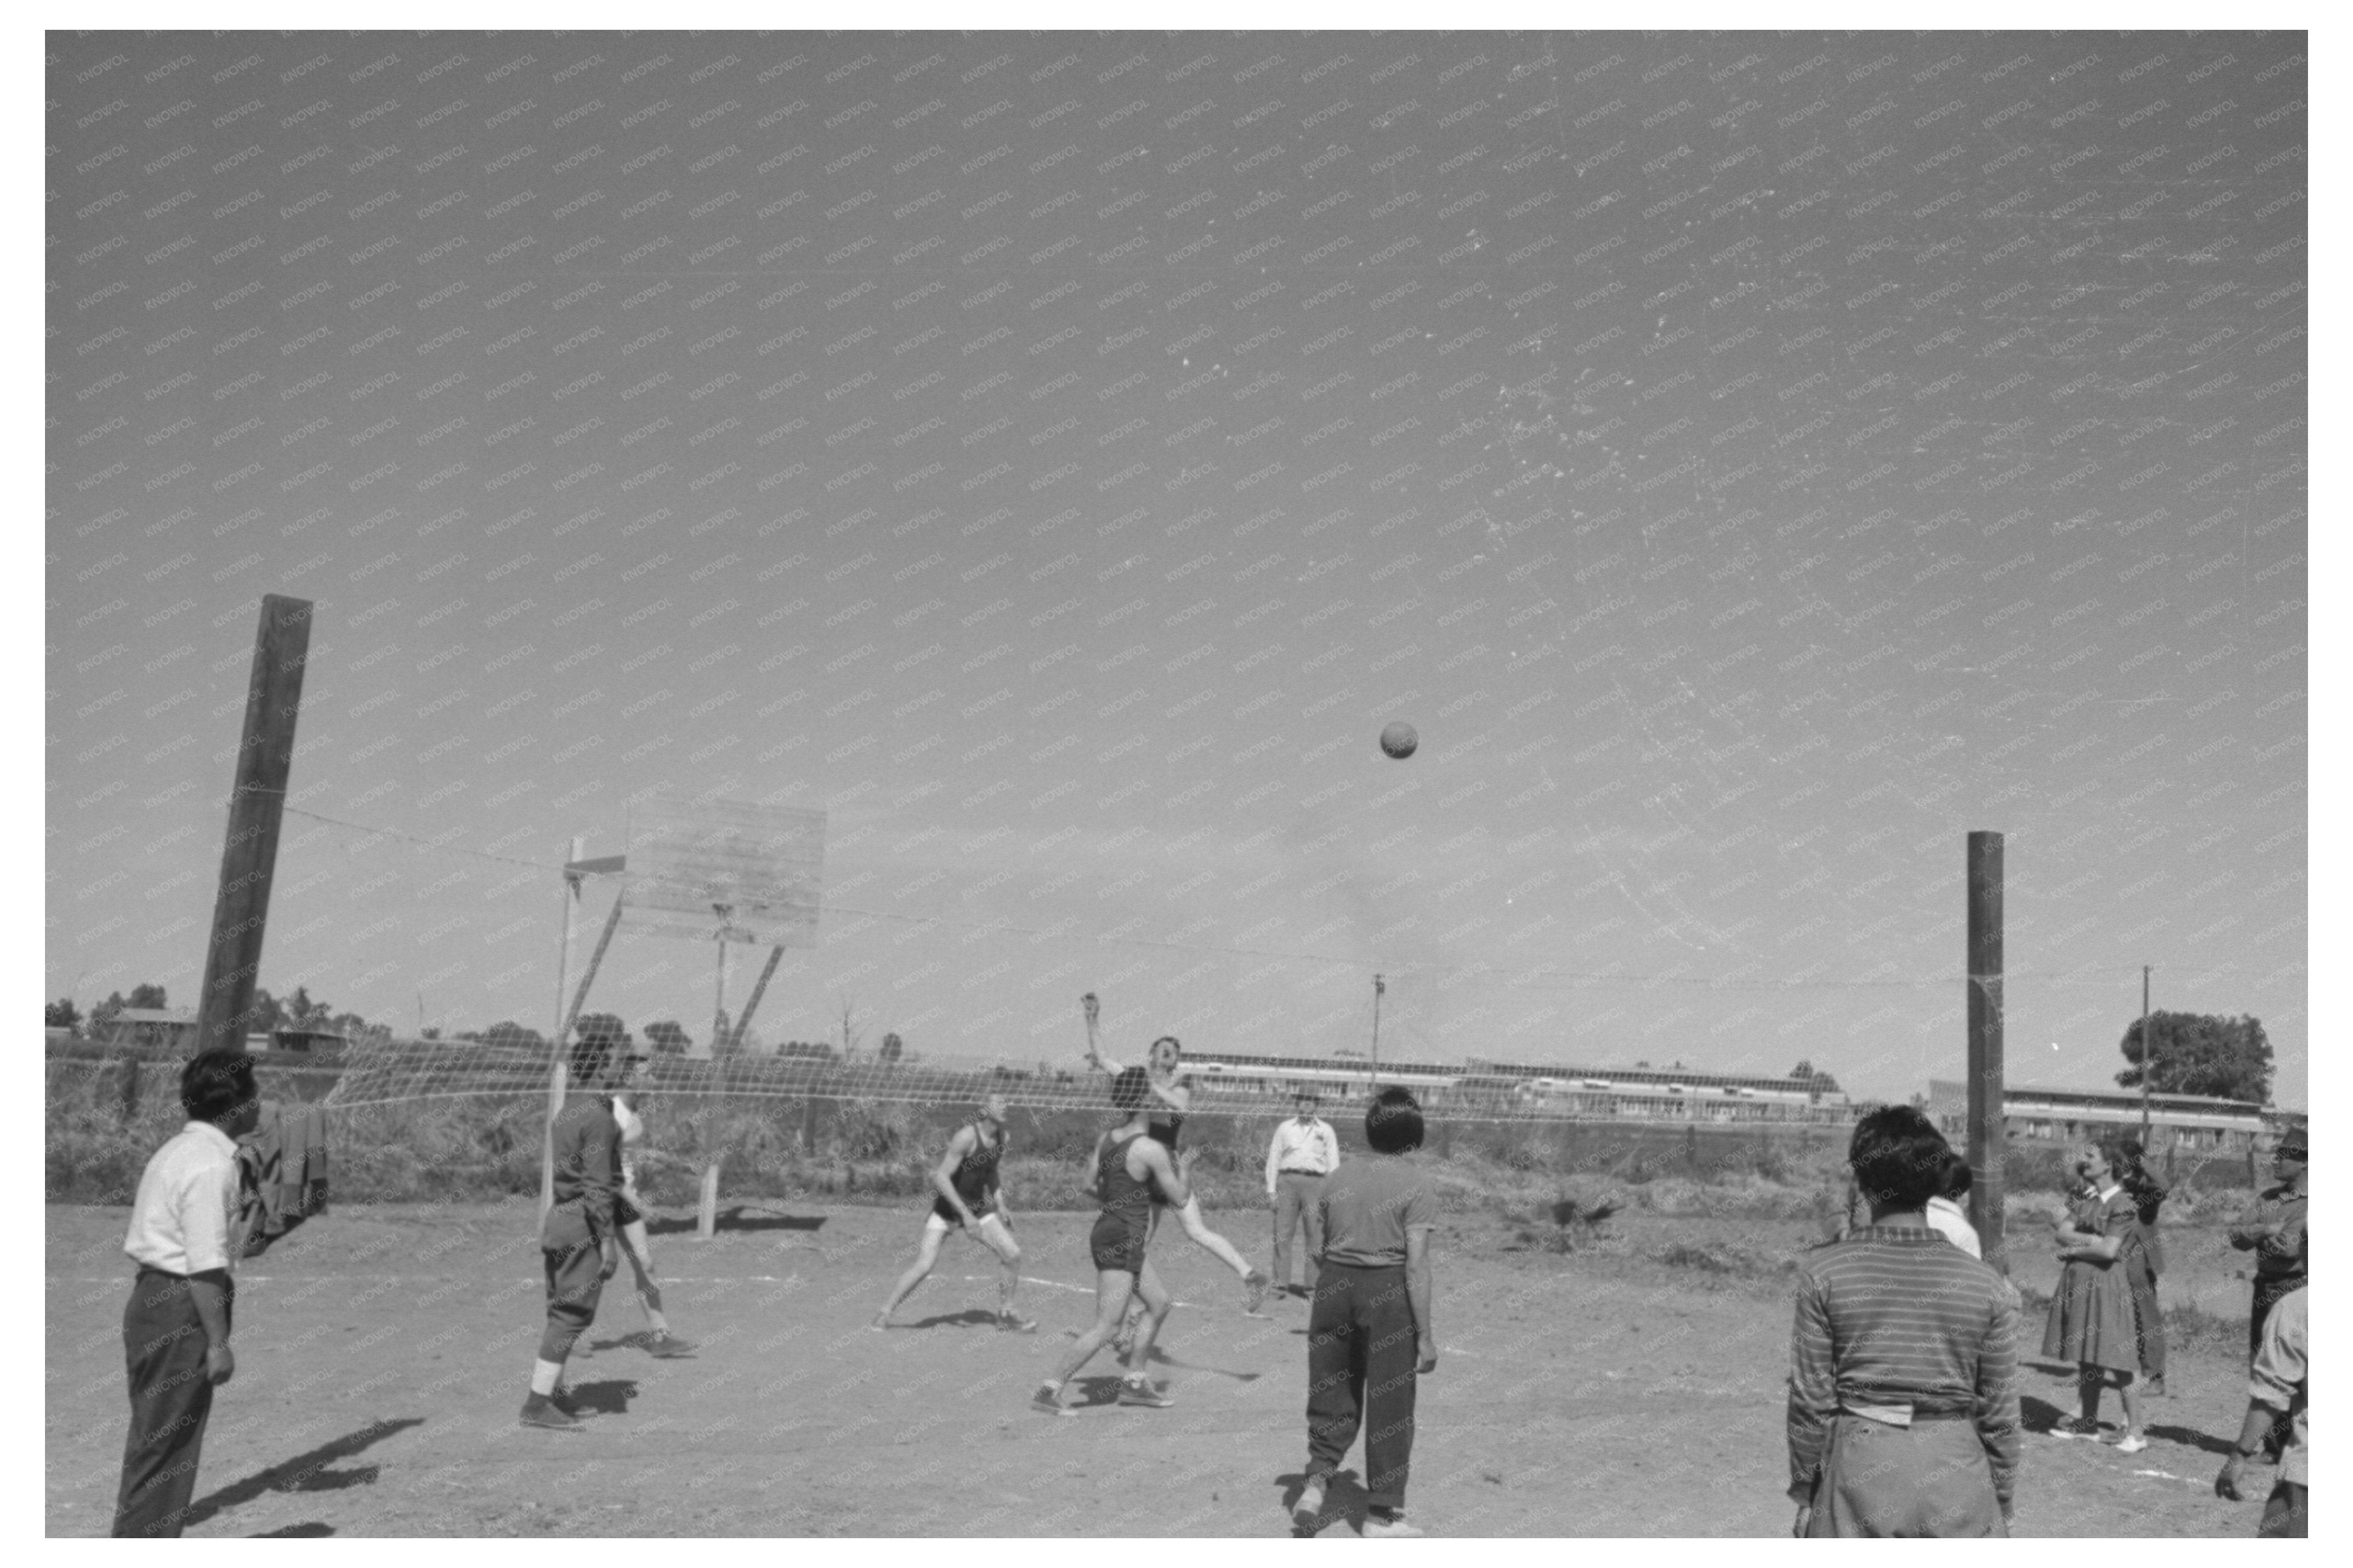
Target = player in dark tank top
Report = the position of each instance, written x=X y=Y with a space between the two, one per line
x=967 y=1196
x=1171 y=1099
x=1128 y=1173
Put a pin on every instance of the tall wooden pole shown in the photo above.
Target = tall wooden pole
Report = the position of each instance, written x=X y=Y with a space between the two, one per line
x=2147 y=1059
x=265 y=756
x=1985 y=1063
x=557 y=1070
x=1375 y=1076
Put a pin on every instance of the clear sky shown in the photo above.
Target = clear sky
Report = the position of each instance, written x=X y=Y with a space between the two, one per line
x=1751 y=462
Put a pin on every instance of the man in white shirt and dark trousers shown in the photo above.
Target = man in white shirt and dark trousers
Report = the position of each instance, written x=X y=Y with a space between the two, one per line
x=1303 y=1151
x=187 y=1231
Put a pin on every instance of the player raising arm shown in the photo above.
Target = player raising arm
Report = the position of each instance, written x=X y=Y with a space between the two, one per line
x=1174 y=1099
x=970 y=1198
x=1128 y=1167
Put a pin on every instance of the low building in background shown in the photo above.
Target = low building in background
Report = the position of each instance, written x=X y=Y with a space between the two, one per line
x=2191 y=1123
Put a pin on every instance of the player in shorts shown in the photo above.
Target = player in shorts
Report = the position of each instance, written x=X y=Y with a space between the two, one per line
x=1175 y=1099
x=1128 y=1167
x=629 y=1216
x=971 y=1199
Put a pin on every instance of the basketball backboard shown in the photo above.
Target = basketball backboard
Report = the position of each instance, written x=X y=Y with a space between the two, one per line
x=700 y=870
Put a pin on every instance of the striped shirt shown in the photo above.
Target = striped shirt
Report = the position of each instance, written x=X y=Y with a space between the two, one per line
x=1895 y=1316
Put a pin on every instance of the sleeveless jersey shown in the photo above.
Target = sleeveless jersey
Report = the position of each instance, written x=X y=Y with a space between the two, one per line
x=975 y=1175
x=1123 y=1198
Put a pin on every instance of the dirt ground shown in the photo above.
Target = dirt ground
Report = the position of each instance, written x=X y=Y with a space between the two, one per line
x=382 y=1353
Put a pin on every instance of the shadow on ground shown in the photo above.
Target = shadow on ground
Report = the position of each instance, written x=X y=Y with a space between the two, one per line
x=607 y=1397
x=735 y=1219
x=2205 y=1442
x=305 y=1472
x=1345 y=1499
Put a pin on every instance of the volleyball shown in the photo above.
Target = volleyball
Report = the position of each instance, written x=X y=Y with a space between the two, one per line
x=1398 y=740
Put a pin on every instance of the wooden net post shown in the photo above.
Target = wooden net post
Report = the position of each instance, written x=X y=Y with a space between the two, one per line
x=265 y=758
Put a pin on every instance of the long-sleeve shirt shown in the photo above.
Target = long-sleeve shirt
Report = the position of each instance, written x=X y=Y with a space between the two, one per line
x=1895 y=1318
x=587 y=1175
x=1297 y=1145
x=2280 y=1377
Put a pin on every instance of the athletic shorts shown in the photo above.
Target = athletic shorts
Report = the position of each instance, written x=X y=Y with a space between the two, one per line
x=626 y=1212
x=1117 y=1245
x=947 y=1216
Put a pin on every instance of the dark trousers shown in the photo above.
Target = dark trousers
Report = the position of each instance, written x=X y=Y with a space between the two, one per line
x=1360 y=1372
x=164 y=1346
x=2147 y=1318
x=2286 y=1513
x=1295 y=1193
x=575 y=1279
x=1930 y=1479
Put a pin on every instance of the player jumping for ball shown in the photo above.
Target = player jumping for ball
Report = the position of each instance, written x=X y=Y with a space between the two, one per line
x=971 y=1198
x=1128 y=1168
x=1167 y=1119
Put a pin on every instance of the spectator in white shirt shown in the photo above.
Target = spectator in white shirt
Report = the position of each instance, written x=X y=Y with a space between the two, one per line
x=1304 y=1151
x=188 y=1228
x=1945 y=1213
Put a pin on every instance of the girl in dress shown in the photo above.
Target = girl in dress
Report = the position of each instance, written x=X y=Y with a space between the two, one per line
x=2091 y=1321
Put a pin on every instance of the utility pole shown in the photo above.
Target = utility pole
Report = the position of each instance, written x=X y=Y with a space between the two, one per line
x=2147 y=1057
x=1377 y=989
x=1987 y=1131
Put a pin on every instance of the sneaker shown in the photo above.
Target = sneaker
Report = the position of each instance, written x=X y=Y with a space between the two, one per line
x=882 y=1323
x=666 y=1345
x=2131 y=1442
x=2156 y=1388
x=1254 y=1284
x=1140 y=1391
x=539 y=1410
x=1390 y=1527
x=1307 y=1513
x=2076 y=1426
x=1015 y=1323
x=1047 y=1401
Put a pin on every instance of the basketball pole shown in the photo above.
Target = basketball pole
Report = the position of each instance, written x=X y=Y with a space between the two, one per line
x=752 y=1003
x=706 y=1219
x=1986 y=1135
x=558 y=1070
